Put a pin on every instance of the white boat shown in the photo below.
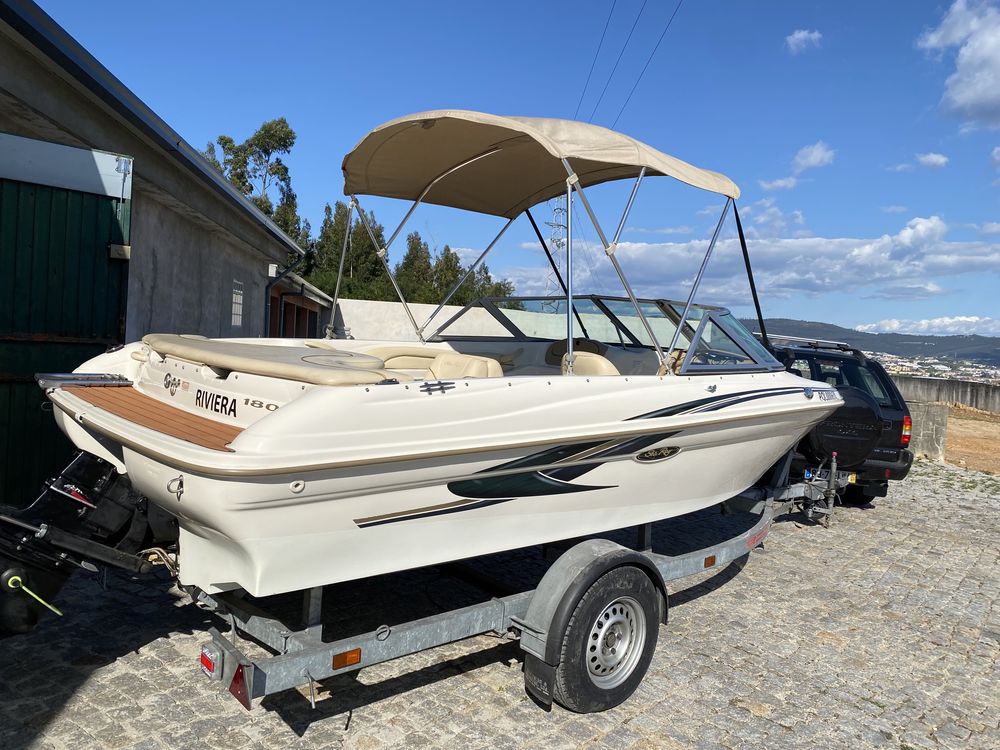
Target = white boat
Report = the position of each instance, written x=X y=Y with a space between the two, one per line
x=291 y=464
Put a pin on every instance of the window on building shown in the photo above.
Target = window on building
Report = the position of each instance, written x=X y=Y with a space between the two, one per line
x=237 y=304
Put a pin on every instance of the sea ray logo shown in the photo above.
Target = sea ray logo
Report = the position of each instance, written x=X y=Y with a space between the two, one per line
x=657 y=454
x=171 y=383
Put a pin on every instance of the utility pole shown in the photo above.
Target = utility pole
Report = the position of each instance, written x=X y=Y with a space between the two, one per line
x=557 y=244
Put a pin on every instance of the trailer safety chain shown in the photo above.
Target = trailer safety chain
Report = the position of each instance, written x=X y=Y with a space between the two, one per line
x=15 y=582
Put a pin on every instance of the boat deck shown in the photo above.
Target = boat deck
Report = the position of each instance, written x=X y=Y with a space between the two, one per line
x=130 y=404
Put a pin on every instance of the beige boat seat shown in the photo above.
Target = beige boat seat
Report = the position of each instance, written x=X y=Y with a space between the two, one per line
x=300 y=363
x=405 y=356
x=676 y=359
x=557 y=349
x=452 y=365
x=588 y=363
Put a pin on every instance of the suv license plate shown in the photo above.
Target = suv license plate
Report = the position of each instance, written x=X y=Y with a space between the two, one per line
x=843 y=477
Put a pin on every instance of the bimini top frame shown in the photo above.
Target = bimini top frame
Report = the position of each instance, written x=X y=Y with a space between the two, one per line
x=503 y=166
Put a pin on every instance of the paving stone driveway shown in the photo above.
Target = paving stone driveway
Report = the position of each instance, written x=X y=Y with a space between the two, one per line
x=882 y=631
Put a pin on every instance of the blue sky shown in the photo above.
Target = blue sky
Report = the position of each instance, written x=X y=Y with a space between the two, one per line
x=865 y=136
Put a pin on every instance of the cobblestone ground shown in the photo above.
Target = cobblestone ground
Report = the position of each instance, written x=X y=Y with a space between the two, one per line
x=882 y=631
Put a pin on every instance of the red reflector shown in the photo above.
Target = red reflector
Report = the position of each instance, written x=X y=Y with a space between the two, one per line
x=907 y=431
x=207 y=663
x=710 y=561
x=238 y=687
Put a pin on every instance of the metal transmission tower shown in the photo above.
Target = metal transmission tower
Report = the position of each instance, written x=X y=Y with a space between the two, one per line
x=557 y=244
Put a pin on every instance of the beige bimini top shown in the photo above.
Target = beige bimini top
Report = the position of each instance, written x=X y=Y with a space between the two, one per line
x=519 y=162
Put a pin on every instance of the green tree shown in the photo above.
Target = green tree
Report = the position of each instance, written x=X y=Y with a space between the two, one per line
x=364 y=276
x=255 y=168
x=486 y=286
x=415 y=273
x=447 y=271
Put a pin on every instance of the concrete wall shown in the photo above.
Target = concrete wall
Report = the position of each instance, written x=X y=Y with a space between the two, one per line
x=968 y=393
x=367 y=319
x=930 y=426
x=188 y=243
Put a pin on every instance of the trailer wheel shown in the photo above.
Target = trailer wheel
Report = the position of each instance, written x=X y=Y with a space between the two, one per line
x=609 y=641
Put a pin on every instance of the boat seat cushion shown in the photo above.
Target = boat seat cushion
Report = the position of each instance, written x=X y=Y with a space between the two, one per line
x=300 y=363
x=588 y=363
x=405 y=356
x=448 y=365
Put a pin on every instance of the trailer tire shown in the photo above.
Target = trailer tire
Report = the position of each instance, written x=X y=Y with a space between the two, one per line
x=596 y=671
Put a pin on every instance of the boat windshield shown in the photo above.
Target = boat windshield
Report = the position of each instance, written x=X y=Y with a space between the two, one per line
x=712 y=340
x=610 y=320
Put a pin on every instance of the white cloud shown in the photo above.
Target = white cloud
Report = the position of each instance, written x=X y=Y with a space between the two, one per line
x=932 y=160
x=962 y=325
x=909 y=263
x=916 y=290
x=798 y=217
x=468 y=254
x=809 y=157
x=801 y=39
x=995 y=157
x=990 y=227
x=661 y=230
x=973 y=90
x=894 y=209
x=783 y=183
x=711 y=210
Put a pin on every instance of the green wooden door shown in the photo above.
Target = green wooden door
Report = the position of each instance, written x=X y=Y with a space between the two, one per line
x=62 y=301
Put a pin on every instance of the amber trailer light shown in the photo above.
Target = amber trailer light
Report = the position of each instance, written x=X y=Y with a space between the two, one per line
x=347 y=658
x=907 y=431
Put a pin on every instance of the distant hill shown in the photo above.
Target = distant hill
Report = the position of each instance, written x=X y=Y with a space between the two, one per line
x=985 y=349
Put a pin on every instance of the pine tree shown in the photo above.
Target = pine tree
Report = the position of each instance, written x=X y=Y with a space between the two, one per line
x=414 y=273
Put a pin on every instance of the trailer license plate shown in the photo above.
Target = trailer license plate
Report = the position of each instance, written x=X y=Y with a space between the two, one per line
x=843 y=477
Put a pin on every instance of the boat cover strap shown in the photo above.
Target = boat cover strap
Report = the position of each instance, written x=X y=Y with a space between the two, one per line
x=300 y=363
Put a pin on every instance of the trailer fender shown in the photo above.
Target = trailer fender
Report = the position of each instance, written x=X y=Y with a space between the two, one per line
x=560 y=590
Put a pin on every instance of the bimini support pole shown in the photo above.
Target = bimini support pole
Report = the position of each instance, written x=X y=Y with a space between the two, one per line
x=697 y=278
x=468 y=273
x=569 y=269
x=383 y=255
x=609 y=250
x=343 y=252
x=753 y=286
x=383 y=250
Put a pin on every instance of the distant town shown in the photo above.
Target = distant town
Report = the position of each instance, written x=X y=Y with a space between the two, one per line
x=938 y=367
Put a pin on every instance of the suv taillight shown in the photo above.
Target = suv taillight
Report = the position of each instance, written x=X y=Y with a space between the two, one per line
x=907 y=430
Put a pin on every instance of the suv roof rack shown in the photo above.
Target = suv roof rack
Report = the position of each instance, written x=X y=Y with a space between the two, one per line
x=779 y=339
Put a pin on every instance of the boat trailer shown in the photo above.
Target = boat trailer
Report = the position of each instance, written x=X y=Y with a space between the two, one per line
x=539 y=619
x=599 y=601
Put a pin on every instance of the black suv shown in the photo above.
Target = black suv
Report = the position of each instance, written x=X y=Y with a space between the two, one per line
x=870 y=433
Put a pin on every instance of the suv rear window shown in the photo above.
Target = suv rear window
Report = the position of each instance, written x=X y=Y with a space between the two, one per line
x=852 y=373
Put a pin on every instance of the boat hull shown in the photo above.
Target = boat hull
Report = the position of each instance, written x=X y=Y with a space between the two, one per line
x=394 y=477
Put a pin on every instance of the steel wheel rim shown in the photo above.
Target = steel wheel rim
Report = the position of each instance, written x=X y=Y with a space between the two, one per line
x=615 y=642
